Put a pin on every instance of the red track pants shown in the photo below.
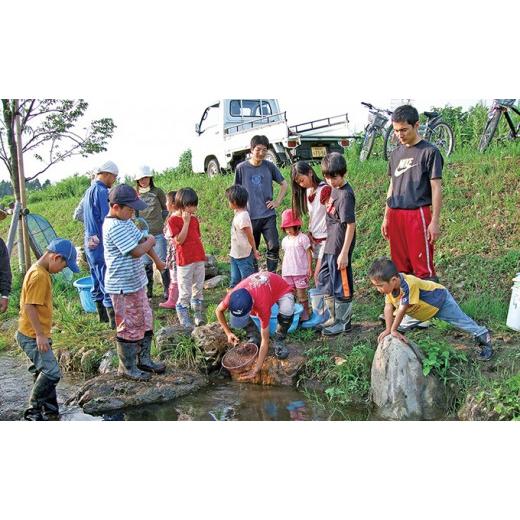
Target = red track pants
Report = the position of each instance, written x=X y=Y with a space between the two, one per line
x=409 y=247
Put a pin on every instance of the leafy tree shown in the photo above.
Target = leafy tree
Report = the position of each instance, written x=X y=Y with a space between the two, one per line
x=50 y=133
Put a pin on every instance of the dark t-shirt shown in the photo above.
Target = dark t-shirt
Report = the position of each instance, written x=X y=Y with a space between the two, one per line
x=341 y=210
x=258 y=181
x=411 y=169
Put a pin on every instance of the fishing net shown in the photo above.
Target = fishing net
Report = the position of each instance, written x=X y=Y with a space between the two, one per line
x=240 y=358
x=41 y=234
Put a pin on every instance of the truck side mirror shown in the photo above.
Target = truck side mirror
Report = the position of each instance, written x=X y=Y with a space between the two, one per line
x=197 y=128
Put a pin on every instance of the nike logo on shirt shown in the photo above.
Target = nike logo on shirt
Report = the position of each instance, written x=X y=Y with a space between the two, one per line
x=404 y=166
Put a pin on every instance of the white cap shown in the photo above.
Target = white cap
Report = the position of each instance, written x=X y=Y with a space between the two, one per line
x=144 y=171
x=108 y=167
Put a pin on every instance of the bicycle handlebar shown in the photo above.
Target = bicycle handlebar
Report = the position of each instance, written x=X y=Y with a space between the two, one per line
x=372 y=107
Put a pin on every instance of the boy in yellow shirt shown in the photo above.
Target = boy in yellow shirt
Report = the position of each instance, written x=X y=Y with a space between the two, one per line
x=34 y=327
x=423 y=300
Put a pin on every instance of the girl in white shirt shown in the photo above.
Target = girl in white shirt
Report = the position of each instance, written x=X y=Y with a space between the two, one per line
x=309 y=195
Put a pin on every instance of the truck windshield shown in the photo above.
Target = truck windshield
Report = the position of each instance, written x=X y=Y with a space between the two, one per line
x=249 y=108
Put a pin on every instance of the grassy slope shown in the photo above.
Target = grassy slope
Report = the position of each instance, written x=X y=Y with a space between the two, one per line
x=477 y=256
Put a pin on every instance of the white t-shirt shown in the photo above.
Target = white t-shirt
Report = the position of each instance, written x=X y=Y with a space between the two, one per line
x=317 y=213
x=240 y=246
x=295 y=260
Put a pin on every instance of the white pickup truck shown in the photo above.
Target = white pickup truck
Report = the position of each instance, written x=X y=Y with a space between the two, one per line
x=226 y=128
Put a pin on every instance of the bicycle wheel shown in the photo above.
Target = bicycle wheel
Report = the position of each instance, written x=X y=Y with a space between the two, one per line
x=391 y=142
x=368 y=144
x=441 y=135
x=489 y=130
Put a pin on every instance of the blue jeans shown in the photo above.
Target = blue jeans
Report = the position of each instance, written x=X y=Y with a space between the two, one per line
x=41 y=361
x=98 y=269
x=451 y=313
x=241 y=268
x=329 y=277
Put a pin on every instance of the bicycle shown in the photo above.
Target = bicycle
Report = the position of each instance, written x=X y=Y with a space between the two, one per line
x=377 y=121
x=435 y=130
x=499 y=107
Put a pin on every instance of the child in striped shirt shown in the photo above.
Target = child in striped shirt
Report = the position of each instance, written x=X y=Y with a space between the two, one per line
x=126 y=282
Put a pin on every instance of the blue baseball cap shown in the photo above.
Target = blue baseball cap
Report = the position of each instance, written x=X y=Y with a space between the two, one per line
x=126 y=195
x=240 y=303
x=66 y=249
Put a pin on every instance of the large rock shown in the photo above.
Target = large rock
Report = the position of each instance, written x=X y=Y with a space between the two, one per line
x=400 y=391
x=112 y=392
x=212 y=340
x=167 y=338
x=216 y=281
x=274 y=371
x=108 y=363
x=210 y=266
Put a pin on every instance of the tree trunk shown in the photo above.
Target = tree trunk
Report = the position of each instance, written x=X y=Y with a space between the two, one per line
x=9 y=118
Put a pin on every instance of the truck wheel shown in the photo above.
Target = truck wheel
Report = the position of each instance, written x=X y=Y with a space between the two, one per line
x=213 y=168
x=272 y=157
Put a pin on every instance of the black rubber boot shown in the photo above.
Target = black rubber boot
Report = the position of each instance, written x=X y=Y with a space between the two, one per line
x=43 y=399
x=102 y=312
x=284 y=323
x=127 y=353
x=165 y=276
x=272 y=265
x=253 y=335
x=111 y=317
x=149 y=276
x=144 y=360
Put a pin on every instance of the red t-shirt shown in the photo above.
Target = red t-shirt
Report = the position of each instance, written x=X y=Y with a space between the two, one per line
x=191 y=250
x=266 y=289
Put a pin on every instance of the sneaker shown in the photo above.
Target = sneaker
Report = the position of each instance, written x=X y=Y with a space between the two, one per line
x=486 y=353
x=409 y=323
x=486 y=350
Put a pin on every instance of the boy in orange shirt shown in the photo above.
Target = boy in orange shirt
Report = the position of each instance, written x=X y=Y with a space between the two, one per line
x=34 y=327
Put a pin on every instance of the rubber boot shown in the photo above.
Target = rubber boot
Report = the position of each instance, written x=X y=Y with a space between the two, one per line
x=272 y=264
x=149 y=275
x=51 y=410
x=112 y=317
x=165 y=276
x=42 y=393
x=127 y=353
x=144 y=360
x=173 y=294
x=102 y=312
x=253 y=335
x=343 y=313
x=303 y=300
x=184 y=316
x=284 y=323
x=331 y=310
x=486 y=350
x=198 y=312
x=306 y=313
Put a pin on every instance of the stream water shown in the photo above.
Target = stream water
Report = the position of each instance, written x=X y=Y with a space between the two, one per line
x=226 y=400
x=220 y=400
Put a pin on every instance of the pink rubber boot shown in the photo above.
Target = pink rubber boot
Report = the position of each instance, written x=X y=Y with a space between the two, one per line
x=173 y=294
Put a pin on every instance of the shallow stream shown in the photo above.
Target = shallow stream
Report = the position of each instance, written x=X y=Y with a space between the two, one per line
x=220 y=400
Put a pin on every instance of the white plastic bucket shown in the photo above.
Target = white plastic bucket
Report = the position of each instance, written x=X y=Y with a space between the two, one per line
x=513 y=316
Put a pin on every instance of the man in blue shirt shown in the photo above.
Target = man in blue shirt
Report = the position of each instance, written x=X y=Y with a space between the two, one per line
x=95 y=209
x=257 y=175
